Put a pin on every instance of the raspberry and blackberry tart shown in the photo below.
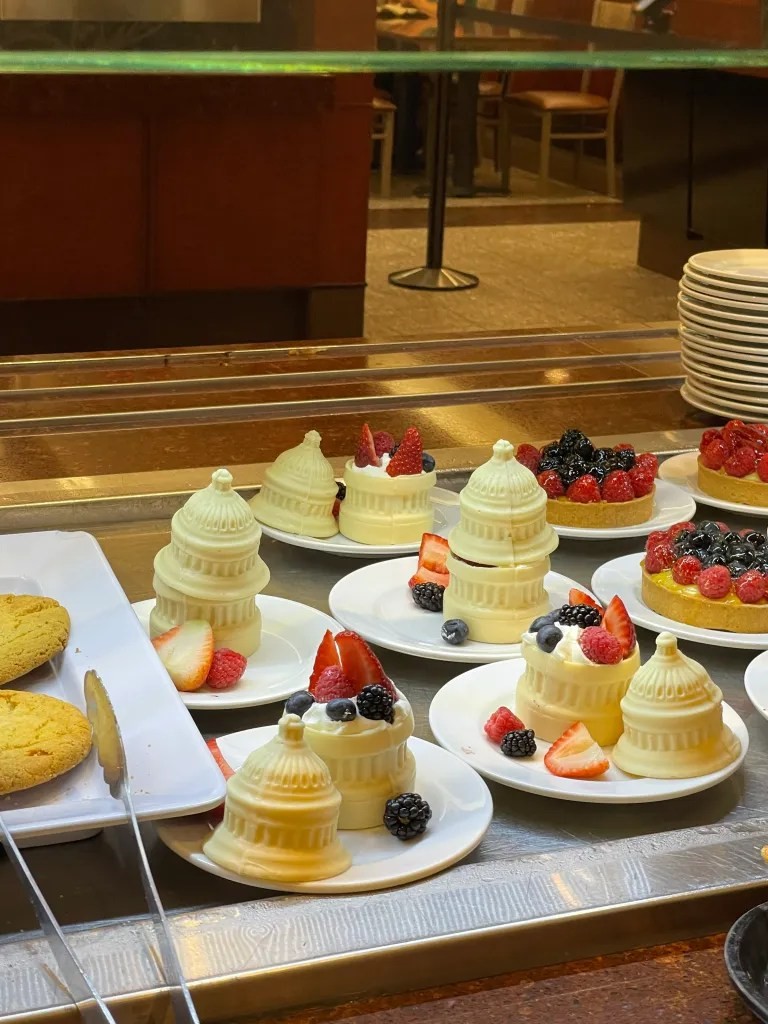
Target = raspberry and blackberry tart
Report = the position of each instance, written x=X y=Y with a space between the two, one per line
x=359 y=723
x=733 y=463
x=579 y=661
x=593 y=487
x=708 y=576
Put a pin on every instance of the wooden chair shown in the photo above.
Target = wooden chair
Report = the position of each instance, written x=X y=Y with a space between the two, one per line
x=384 y=111
x=596 y=113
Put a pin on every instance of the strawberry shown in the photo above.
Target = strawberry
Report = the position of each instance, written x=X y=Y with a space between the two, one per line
x=762 y=468
x=600 y=646
x=366 y=449
x=714 y=582
x=617 y=621
x=407 y=460
x=500 y=723
x=333 y=684
x=659 y=558
x=648 y=462
x=426 y=576
x=642 y=481
x=585 y=490
x=742 y=462
x=617 y=486
x=359 y=662
x=750 y=587
x=383 y=442
x=708 y=437
x=186 y=651
x=686 y=570
x=528 y=455
x=551 y=482
x=217 y=813
x=576 y=596
x=226 y=669
x=715 y=454
x=576 y=755
x=327 y=656
x=433 y=554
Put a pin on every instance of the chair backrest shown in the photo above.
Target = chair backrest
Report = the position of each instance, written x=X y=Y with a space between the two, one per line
x=616 y=14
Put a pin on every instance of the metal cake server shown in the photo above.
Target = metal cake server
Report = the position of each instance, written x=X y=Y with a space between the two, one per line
x=111 y=754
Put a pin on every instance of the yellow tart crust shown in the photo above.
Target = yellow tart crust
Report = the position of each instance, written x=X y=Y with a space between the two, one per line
x=685 y=604
x=602 y=514
x=747 y=490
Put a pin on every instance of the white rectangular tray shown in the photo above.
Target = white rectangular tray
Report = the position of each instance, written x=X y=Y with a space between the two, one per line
x=170 y=768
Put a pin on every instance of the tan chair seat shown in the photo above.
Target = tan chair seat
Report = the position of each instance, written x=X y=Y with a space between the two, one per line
x=550 y=99
x=379 y=103
x=489 y=88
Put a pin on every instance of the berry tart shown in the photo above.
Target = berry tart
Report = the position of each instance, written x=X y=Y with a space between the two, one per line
x=359 y=723
x=579 y=661
x=387 y=489
x=593 y=487
x=708 y=576
x=733 y=463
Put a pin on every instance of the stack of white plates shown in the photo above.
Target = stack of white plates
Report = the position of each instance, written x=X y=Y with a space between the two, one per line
x=723 y=311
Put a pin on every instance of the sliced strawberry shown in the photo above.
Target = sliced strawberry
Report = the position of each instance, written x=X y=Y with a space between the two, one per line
x=427 y=576
x=186 y=651
x=213 y=746
x=576 y=755
x=359 y=662
x=617 y=621
x=326 y=657
x=407 y=460
x=433 y=552
x=576 y=596
x=366 y=449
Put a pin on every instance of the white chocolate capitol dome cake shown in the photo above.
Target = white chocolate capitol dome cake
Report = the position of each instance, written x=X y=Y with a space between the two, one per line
x=673 y=719
x=299 y=491
x=499 y=551
x=211 y=570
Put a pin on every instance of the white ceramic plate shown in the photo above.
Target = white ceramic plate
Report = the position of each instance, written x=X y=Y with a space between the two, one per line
x=461 y=813
x=730 y=391
x=719 y=404
x=622 y=576
x=460 y=709
x=171 y=770
x=721 y=299
x=291 y=634
x=747 y=265
x=716 y=366
x=670 y=505
x=708 y=312
x=710 y=326
x=728 y=285
x=745 y=351
x=756 y=683
x=446 y=517
x=697 y=366
x=375 y=602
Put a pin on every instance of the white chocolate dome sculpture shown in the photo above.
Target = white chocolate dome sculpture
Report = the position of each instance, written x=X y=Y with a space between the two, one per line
x=211 y=569
x=499 y=551
x=673 y=719
x=281 y=814
x=298 y=492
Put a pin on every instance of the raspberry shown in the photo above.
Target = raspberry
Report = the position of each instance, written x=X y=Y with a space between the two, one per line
x=762 y=468
x=617 y=486
x=714 y=582
x=500 y=723
x=659 y=557
x=552 y=484
x=642 y=481
x=625 y=446
x=741 y=462
x=715 y=454
x=750 y=588
x=657 y=537
x=648 y=462
x=600 y=646
x=528 y=456
x=673 y=531
x=686 y=570
x=708 y=437
x=584 y=490
x=333 y=684
x=226 y=669
x=383 y=442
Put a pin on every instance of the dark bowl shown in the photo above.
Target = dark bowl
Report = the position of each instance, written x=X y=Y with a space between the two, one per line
x=746 y=959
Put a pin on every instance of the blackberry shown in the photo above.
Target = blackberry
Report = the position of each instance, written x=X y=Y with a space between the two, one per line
x=299 y=703
x=428 y=596
x=341 y=491
x=427 y=462
x=548 y=637
x=571 y=439
x=341 y=710
x=603 y=455
x=547 y=463
x=407 y=816
x=579 y=615
x=599 y=473
x=454 y=631
x=570 y=474
x=375 y=702
x=520 y=743
x=626 y=458
x=552 y=451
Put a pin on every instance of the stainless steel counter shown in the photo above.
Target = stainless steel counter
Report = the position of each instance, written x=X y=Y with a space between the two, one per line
x=552 y=881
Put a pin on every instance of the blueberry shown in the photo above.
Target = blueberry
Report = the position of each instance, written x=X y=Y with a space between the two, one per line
x=585 y=450
x=599 y=473
x=710 y=528
x=299 y=703
x=701 y=541
x=548 y=638
x=714 y=558
x=604 y=455
x=427 y=462
x=570 y=474
x=454 y=631
x=543 y=620
x=731 y=538
x=341 y=710
x=757 y=540
x=736 y=569
x=736 y=551
x=626 y=458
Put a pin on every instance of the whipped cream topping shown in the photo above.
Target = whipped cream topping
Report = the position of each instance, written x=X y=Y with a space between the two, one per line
x=568 y=648
x=316 y=718
x=376 y=470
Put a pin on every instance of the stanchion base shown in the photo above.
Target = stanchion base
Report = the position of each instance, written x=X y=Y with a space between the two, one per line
x=433 y=279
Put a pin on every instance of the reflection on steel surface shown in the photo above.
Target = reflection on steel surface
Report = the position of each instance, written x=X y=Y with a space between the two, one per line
x=224 y=11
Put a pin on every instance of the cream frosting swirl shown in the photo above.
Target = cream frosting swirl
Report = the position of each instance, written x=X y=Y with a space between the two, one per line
x=316 y=718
